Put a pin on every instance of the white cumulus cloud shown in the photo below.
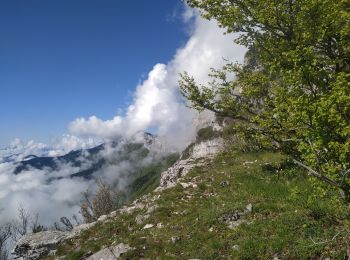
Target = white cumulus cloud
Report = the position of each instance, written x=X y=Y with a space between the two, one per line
x=157 y=103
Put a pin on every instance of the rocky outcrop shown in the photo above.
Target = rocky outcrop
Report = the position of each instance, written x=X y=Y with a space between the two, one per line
x=170 y=177
x=204 y=119
x=112 y=252
x=207 y=149
x=36 y=245
x=199 y=154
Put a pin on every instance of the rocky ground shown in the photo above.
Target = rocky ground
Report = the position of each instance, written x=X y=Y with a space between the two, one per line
x=235 y=206
x=210 y=205
x=38 y=245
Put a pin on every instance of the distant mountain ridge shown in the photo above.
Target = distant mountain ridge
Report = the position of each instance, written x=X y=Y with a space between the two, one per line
x=41 y=162
x=76 y=158
x=145 y=156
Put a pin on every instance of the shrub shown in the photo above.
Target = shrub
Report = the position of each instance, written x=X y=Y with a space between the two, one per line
x=206 y=133
x=102 y=203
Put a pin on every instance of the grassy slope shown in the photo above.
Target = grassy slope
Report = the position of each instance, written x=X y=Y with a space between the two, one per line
x=147 y=178
x=281 y=223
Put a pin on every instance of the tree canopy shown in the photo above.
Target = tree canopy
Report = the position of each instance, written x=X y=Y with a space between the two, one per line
x=293 y=92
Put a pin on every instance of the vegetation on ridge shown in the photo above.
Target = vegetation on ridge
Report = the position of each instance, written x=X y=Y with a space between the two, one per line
x=283 y=223
x=290 y=106
x=293 y=93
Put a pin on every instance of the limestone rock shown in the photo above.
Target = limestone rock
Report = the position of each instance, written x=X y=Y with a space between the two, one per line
x=147 y=226
x=113 y=252
x=152 y=209
x=175 y=239
x=199 y=156
x=102 y=218
x=235 y=247
x=187 y=185
x=204 y=119
x=236 y=218
x=35 y=246
x=249 y=208
x=208 y=148
x=128 y=210
x=141 y=218
x=160 y=225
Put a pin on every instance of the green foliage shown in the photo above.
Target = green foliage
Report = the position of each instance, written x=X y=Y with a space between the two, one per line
x=206 y=133
x=147 y=178
x=239 y=140
x=293 y=93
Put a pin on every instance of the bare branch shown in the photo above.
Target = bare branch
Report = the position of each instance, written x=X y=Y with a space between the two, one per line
x=318 y=175
x=323 y=242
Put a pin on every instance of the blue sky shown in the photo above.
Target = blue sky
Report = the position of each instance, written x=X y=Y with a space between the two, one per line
x=63 y=59
x=67 y=66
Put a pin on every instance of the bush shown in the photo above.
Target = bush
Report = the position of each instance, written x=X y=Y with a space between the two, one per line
x=5 y=234
x=206 y=133
x=293 y=92
x=102 y=203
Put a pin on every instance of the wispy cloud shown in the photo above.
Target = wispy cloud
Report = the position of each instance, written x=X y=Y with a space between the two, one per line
x=53 y=192
x=18 y=150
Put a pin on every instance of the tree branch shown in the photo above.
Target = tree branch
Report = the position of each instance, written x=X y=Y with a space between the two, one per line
x=317 y=175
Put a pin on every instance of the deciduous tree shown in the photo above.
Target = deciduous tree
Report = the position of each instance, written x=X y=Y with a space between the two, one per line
x=293 y=93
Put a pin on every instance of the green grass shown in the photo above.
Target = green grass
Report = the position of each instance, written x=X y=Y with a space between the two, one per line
x=282 y=223
x=147 y=178
x=187 y=152
x=206 y=133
